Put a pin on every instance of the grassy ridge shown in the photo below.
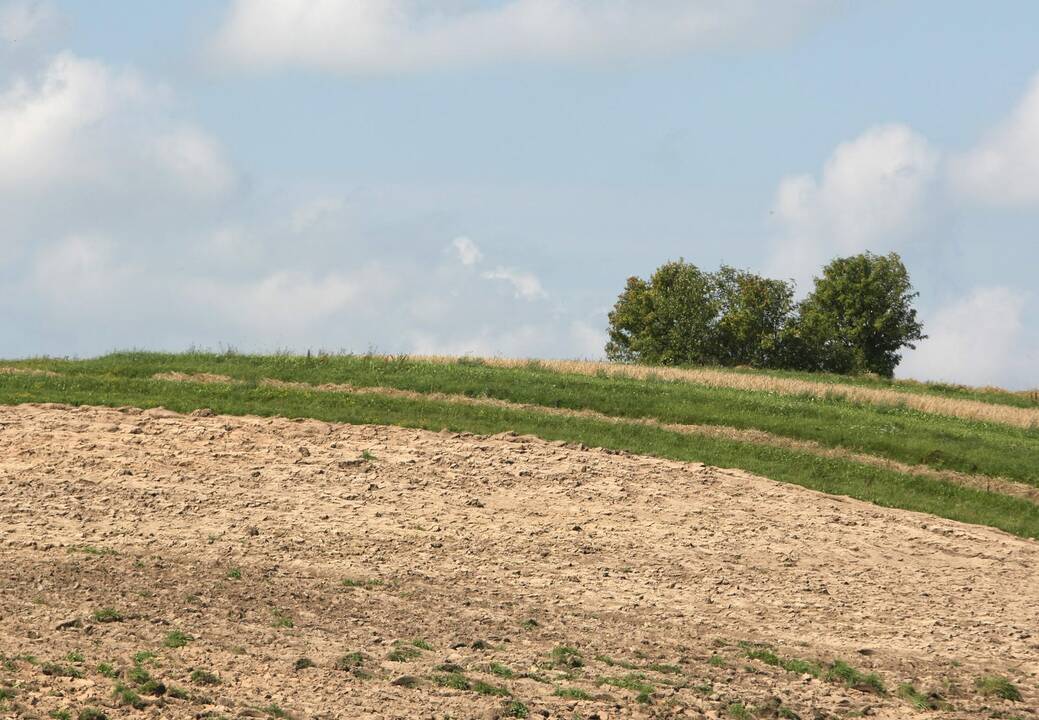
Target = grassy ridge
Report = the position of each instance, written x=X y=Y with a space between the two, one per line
x=897 y=433
x=826 y=474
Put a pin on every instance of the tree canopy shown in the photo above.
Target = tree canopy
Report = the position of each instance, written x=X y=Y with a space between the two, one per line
x=858 y=318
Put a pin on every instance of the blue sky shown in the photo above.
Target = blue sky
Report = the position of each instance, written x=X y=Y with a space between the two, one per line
x=481 y=177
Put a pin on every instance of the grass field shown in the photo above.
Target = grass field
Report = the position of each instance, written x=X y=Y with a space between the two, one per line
x=648 y=415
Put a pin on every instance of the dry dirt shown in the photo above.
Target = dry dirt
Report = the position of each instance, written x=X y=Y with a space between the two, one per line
x=490 y=550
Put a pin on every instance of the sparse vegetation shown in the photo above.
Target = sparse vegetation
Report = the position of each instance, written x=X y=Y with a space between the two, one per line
x=455 y=681
x=565 y=656
x=281 y=618
x=485 y=688
x=177 y=639
x=349 y=661
x=998 y=686
x=200 y=676
x=572 y=693
x=842 y=672
x=107 y=615
x=516 y=709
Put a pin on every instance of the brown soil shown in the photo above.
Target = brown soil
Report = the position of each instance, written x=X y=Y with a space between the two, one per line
x=988 y=483
x=460 y=540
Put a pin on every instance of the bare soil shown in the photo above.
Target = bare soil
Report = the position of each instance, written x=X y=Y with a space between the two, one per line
x=492 y=553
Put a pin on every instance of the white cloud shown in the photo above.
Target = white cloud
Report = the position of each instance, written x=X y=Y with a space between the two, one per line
x=468 y=253
x=83 y=124
x=537 y=339
x=1003 y=169
x=978 y=340
x=195 y=160
x=525 y=285
x=293 y=302
x=374 y=36
x=80 y=273
x=871 y=195
x=22 y=21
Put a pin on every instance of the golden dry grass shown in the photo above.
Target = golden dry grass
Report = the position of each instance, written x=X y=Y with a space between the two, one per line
x=933 y=404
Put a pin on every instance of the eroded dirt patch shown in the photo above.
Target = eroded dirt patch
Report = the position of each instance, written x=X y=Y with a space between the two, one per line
x=256 y=566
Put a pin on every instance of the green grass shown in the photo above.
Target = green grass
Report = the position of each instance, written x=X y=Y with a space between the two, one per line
x=842 y=672
x=204 y=677
x=566 y=657
x=897 y=433
x=572 y=693
x=998 y=686
x=123 y=380
x=177 y=639
x=107 y=615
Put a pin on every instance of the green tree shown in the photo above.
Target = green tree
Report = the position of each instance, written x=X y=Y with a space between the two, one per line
x=684 y=316
x=753 y=312
x=668 y=320
x=857 y=319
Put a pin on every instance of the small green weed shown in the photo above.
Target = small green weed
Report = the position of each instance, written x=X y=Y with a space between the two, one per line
x=144 y=656
x=107 y=669
x=128 y=696
x=998 y=686
x=56 y=670
x=234 y=573
x=516 y=709
x=91 y=713
x=739 y=711
x=177 y=639
x=501 y=670
x=60 y=715
x=75 y=656
x=421 y=644
x=107 y=615
x=716 y=661
x=349 y=661
x=636 y=682
x=842 y=672
x=403 y=653
x=204 y=677
x=281 y=618
x=572 y=693
x=363 y=584
x=566 y=656
x=485 y=688
x=456 y=681
x=302 y=664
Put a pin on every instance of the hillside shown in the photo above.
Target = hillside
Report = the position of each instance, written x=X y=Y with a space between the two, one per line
x=205 y=535
x=964 y=454
x=215 y=566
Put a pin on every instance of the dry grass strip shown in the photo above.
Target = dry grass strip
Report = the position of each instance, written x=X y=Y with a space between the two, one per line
x=933 y=404
x=209 y=378
x=757 y=437
x=27 y=371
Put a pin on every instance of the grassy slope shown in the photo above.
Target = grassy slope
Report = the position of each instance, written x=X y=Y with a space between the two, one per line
x=901 y=434
x=114 y=385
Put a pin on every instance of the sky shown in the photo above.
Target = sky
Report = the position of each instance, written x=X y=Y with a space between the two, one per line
x=481 y=176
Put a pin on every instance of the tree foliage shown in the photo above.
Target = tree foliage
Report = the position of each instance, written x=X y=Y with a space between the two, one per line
x=857 y=319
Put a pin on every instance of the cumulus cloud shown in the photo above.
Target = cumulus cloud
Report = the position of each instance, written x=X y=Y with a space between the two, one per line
x=468 y=253
x=525 y=285
x=290 y=303
x=872 y=192
x=78 y=272
x=978 y=340
x=81 y=122
x=376 y=36
x=534 y=339
x=1003 y=169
